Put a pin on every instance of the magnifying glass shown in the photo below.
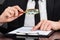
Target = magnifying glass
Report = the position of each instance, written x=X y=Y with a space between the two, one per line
x=32 y=11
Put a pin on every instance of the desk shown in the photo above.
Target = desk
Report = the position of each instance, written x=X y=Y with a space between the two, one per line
x=55 y=35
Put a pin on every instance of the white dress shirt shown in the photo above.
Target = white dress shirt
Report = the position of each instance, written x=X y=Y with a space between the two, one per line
x=42 y=9
x=29 y=19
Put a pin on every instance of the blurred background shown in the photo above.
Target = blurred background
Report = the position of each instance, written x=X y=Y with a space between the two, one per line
x=1 y=1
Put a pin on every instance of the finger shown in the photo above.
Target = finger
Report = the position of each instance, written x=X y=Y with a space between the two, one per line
x=46 y=26
x=20 y=14
x=8 y=15
x=18 y=8
x=11 y=12
x=43 y=25
x=15 y=11
x=37 y=26
x=49 y=27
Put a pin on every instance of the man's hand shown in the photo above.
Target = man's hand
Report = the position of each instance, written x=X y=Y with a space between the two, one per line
x=47 y=25
x=11 y=13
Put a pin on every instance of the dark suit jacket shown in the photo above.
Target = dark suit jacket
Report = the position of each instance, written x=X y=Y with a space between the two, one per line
x=53 y=11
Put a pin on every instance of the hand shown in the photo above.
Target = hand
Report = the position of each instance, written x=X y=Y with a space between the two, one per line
x=11 y=13
x=47 y=25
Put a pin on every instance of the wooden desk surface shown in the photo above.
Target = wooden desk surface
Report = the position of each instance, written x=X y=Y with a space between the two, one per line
x=55 y=35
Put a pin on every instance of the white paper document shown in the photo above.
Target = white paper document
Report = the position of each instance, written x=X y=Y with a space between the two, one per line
x=28 y=30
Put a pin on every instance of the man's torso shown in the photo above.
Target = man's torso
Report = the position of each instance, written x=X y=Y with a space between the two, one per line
x=53 y=11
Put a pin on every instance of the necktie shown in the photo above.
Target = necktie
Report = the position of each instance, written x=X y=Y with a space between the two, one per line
x=37 y=16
